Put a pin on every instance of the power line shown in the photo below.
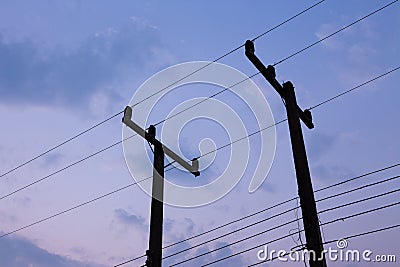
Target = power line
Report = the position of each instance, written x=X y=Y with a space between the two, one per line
x=359 y=188
x=289 y=210
x=281 y=225
x=288 y=57
x=358 y=177
x=228 y=53
x=78 y=206
x=205 y=99
x=336 y=32
x=271 y=207
x=298 y=52
x=59 y=145
x=232 y=232
x=212 y=151
x=211 y=230
x=74 y=207
x=148 y=97
x=230 y=222
x=104 y=149
x=65 y=168
x=330 y=222
x=59 y=170
x=354 y=88
x=284 y=22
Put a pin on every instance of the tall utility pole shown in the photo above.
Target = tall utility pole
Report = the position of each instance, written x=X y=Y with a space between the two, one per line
x=305 y=190
x=154 y=253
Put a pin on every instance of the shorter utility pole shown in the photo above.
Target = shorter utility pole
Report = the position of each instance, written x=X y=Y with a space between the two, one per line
x=154 y=253
x=305 y=189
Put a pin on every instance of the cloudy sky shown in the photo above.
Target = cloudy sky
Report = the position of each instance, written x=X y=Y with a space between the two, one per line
x=67 y=65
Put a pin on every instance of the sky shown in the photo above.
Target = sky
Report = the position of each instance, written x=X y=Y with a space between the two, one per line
x=68 y=65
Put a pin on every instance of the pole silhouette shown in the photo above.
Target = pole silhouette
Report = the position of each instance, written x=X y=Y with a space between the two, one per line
x=154 y=253
x=304 y=184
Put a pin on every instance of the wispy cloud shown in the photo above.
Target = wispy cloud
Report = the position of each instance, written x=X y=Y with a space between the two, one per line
x=16 y=252
x=128 y=218
x=27 y=76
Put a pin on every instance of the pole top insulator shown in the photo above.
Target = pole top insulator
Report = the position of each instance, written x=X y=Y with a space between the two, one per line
x=150 y=135
x=271 y=71
x=249 y=47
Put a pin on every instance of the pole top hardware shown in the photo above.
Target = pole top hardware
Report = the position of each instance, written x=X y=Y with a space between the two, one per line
x=270 y=75
x=150 y=136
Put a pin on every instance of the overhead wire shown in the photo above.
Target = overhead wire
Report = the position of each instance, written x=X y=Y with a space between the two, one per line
x=336 y=32
x=354 y=88
x=253 y=133
x=148 y=97
x=59 y=145
x=226 y=54
x=282 y=224
x=72 y=208
x=326 y=223
x=271 y=207
x=278 y=62
x=102 y=150
x=293 y=209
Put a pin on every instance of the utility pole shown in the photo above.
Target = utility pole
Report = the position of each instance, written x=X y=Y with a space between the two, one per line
x=154 y=253
x=305 y=190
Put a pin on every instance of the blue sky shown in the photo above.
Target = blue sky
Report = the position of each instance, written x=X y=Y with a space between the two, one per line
x=66 y=65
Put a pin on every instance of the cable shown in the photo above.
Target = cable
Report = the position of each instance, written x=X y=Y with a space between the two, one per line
x=232 y=232
x=205 y=99
x=74 y=207
x=65 y=168
x=235 y=242
x=78 y=206
x=335 y=240
x=330 y=222
x=336 y=32
x=284 y=59
x=137 y=103
x=211 y=230
x=284 y=22
x=215 y=228
x=263 y=210
x=59 y=145
x=104 y=149
x=130 y=260
x=359 y=188
x=231 y=222
x=120 y=113
x=212 y=151
x=358 y=177
x=299 y=239
x=279 y=204
x=279 y=226
x=228 y=53
x=309 y=46
x=354 y=88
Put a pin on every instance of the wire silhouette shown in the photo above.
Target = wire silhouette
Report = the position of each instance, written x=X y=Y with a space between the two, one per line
x=148 y=97
x=284 y=202
x=284 y=224
x=225 y=89
x=212 y=151
x=326 y=223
